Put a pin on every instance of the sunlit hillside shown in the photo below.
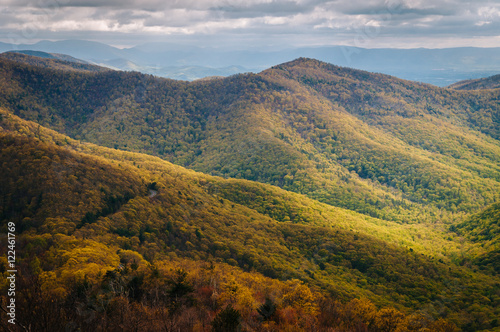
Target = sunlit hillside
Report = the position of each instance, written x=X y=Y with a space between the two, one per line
x=306 y=197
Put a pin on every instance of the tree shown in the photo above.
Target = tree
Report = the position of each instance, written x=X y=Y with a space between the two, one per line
x=388 y=319
x=300 y=296
x=228 y=320
x=267 y=309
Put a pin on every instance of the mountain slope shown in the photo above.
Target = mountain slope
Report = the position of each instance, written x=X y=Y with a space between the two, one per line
x=45 y=55
x=252 y=226
x=372 y=143
x=52 y=61
x=492 y=82
x=484 y=228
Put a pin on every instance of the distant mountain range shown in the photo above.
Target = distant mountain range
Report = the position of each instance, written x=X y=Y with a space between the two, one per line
x=45 y=55
x=51 y=60
x=440 y=67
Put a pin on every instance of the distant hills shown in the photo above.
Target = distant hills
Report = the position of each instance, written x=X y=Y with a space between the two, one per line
x=167 y=62
x=440 y=67
x=44 y=55
x=51 y=60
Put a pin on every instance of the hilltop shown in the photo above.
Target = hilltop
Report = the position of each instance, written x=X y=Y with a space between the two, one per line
x=492 y=82
x=52 y=61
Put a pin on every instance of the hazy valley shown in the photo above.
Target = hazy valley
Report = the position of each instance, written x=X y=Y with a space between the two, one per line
x=438 y=66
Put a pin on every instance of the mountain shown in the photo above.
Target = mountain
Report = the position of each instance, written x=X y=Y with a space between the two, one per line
x=372 y=143
x=492 y=82
x=49 y=60
x=166 y=61
x=336 y=199
x=440 y=67
x=436 y=66
x=113 y=232
x=45 y=55
x=81 y=49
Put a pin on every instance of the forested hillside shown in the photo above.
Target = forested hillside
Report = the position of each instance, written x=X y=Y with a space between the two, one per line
x=134 y=241
x=367 y=142
x=492 y=82
x=484 y=229
x=53 y=61
x=337 y=199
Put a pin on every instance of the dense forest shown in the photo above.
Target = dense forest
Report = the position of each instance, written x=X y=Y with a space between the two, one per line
x=338 y=200
x=372 y=143
x=205 y=249
x=492 y=82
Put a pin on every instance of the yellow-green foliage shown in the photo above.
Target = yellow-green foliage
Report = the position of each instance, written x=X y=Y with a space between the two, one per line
x=484 y=229
x=385 y=147
x=202 y=243
x=115 y=240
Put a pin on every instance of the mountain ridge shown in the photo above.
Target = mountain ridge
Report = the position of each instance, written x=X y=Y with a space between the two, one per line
x=51 y=60
x=440 y=67
x=332 y=191
x=302 y=126
x=492 y=82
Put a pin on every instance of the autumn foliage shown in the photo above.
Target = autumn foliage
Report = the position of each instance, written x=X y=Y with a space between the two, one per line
x=356 y=202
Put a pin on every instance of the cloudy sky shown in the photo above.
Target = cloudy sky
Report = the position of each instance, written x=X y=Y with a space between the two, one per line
x=256 y=23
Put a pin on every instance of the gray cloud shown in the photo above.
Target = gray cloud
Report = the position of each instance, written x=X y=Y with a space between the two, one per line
x=271 y=8
x=408 y=22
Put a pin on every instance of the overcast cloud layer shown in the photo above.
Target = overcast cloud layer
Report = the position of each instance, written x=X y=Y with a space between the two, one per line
x=256 y=23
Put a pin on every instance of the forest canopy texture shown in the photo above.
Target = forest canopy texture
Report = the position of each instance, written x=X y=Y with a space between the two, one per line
x=305 y=197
